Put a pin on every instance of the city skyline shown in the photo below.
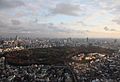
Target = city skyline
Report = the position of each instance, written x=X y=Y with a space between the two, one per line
x=60 y=18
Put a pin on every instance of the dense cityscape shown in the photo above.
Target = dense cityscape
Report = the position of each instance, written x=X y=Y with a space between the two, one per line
x=59 y=60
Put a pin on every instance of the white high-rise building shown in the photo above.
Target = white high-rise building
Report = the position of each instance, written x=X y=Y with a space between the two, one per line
x=2 y=62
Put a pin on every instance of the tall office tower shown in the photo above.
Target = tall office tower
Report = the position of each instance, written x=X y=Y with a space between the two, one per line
x=16 y=38
x=87 y=39
x=115 y=41
x=2 y=62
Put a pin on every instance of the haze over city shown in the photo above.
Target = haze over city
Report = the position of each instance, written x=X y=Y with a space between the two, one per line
x=60 y=18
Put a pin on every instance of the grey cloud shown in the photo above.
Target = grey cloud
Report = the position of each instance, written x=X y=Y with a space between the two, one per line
x=87 y=31
x=117 y=21
x=113 y=30
x=66 y=9
x=2 y=24
x=110 y=5
x=108 y=29
x=15 y=22
x=10 y=3
x=7 y=27
x=36 y=21
x=117 y=9
x=82 y=23
x=38 y=29
x=56 y=28
x=62 y=29
x=51 y=28
x=43 y=27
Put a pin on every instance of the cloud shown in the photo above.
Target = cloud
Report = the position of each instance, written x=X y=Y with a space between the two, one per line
x=108 y=29
x=6 y=26
x=1 y=24
x=113 y=30
x=67 y=18
x=38 y=29
x=4 y=4
x=112 y=6
x=66 y=9
x=117 y=21
x=15 y=22
x=82 y=23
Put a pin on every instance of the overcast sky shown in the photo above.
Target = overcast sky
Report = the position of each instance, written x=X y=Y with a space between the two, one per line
x=60 y=18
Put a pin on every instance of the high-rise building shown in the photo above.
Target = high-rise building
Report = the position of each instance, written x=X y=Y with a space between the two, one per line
x=2 y=62
x=87 y=39
x=115 y=41
x=16 y=38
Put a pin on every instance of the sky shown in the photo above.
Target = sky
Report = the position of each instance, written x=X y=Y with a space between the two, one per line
x=60 y=18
